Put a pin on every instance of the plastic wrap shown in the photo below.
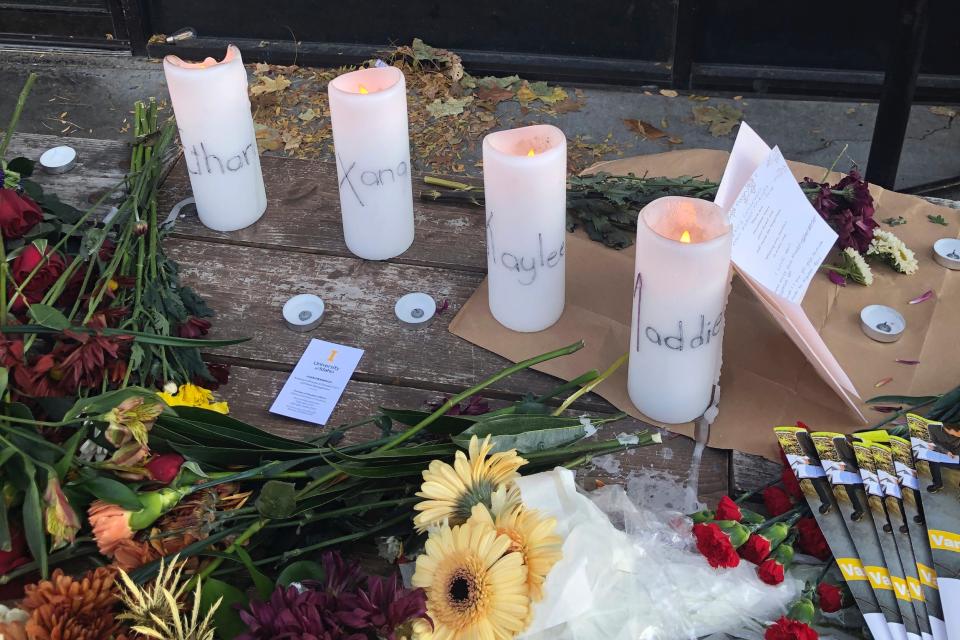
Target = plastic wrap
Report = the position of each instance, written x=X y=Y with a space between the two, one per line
x=632 y=573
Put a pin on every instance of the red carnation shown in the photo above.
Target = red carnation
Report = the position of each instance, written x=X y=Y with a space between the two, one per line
x=51 y=266
x=755 y=550
x=776 y=501
x=789 y=480
x=715 y=545
x=727 y=509
x=810 y=539
x=787 y=629
x=830 y=597
x=18 y=214
x=770 y=571
x=164 y=467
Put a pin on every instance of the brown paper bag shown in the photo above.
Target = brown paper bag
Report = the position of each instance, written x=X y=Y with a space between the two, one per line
x=765 y=381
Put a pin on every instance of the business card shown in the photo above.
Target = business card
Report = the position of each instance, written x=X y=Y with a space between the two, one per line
x=313 y=389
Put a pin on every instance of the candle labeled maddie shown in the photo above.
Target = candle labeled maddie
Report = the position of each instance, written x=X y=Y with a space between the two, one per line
x=219 y=144
x=368 y=111
x=524 y=182
x=680 y=290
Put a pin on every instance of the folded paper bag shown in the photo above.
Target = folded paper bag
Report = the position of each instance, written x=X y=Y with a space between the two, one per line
x=766 y=379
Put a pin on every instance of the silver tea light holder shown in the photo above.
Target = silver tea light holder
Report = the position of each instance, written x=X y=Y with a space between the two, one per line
x=303 y=312
x=946 y=251
x=415 y=309
x=58 y=159
x=882 y=323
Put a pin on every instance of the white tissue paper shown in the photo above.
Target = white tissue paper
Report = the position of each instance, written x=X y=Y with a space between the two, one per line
x=630 y=573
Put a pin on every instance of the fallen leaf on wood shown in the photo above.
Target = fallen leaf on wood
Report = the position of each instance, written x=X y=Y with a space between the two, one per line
x=308 y=115
x=670 y=93
x=947 y=112
x=268 y=138
x=568 y=105
x=644 y=129
x=291 y=140
x=719 y=120
x=494 y=94
x=266 y=84
x=452 y=107
x=492 y=81
x=260 y=68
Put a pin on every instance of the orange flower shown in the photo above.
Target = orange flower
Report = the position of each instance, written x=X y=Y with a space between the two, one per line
x=66 y=608
x=111 y=526
x=131 y=554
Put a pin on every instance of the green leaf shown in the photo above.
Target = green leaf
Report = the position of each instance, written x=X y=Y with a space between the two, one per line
x=219 y=420
x=33 y=528
x=23 y=166
x=6 y=543
x=444 y=425
x=71 y=446
x=277 y=500
x=300 y=571
x=226 y=619
x=937 y=219
x=111 y=491
x=49 y=317
x=4 y=379
x=98 y=405
x=908 y=400
x=263 y=584
x=138 y=336
x=525 y=433
x=193 y=467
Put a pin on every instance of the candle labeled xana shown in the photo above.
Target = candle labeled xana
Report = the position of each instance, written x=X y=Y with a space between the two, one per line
x=368 y=112
x=681 y=277
x=219 y=143
x=525 y=188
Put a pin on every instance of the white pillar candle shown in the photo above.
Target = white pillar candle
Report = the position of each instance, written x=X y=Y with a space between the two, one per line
x=525 y=187
x=680 y=291
x=219 y=144
x=368 y=111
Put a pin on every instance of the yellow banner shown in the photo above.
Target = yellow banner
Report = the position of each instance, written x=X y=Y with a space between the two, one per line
x=901 y=588
x=879 y=578
x=852 y=569
x=916 y=590
x=928 y=576
x=944 y=540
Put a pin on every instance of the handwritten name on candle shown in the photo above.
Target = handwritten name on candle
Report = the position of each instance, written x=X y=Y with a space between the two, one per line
x=207 y=163
x=526 y=265
x=675 y=341
x=354 y=177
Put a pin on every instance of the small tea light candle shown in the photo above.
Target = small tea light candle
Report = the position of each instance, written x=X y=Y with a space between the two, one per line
x=303 y=312
x=946 y=251
x=415 y=308
x=525 y=187
x=58 y=159
x=681 y=281
x=219 y=144
x=368 y=112
x=882 y=323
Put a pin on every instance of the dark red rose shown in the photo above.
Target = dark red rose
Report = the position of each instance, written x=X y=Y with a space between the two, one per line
x=776 y=501
x=787 y=629
x=164 y=467
x=18 y=214
x=727 y=509
x=830 y=597
x=51 y=266
x=770 y=571
x=755 y=550
x=194 y=327
x=715 y=545
x=810 y=539
x=220 y=374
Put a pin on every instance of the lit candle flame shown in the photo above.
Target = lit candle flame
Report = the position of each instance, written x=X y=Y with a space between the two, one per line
x=685 y=237
x=363 y=89
x=531 y=153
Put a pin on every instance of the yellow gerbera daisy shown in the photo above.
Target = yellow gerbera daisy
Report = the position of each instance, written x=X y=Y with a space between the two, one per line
x=476 y=589
x=449 y=493
x=531 y=534
x=191 y=395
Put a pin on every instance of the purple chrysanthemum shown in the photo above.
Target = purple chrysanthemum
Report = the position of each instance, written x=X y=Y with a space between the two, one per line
x=847 y=207
x=382 y=606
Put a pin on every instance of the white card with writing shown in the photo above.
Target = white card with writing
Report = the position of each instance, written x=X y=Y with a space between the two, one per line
x=779 y=239
x=317 y=382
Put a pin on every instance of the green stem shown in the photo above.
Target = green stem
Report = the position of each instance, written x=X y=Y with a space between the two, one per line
x=557 y=391
x=587 y=388
x=448 y=184
x=17 y=110
x=345 y=511
x=75 y=550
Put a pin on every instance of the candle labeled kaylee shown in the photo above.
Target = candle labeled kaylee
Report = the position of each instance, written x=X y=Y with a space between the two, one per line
x=219 y=144
x=681 y=278
x=525 y=187
x=368 y=112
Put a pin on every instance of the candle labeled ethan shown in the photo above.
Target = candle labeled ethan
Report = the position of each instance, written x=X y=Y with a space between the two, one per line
x=525 y=188
x=219 y=143
x=681 y=278
x=368 y=113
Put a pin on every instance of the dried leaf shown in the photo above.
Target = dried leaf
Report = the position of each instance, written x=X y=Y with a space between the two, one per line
x=307 y=115
x=644 y=129
x=525 y=94
x=664 y=123
x=895 y=222
x=670 y=93
x=675 y=140
x=452 y=107
x=268 y=138
x=946 y=112
x=923 y=297
x=546 y=93
x=883 y=382
x=291 y=140
x=851 y=110
x=567 y=106
x=260 y=68
x=503 y=83
x=697 y=98
x=266 y=84
x=720 y=120
x=494 y=94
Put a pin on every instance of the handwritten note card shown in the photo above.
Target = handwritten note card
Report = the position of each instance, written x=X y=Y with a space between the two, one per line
x=778 y=237
x=317 y=382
